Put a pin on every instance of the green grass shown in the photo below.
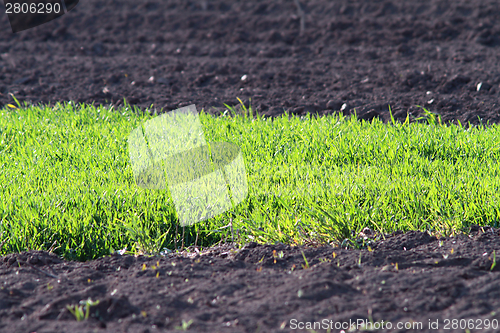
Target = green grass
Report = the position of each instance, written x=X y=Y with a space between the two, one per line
x=67 y=184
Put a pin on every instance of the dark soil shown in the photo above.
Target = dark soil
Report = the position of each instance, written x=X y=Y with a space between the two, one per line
x=406 y=278
x=353 y=55
x=365 y=54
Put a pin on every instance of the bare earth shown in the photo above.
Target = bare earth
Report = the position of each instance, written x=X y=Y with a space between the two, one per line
x=407 y=278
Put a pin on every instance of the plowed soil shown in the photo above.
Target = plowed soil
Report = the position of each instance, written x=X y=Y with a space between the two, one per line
x=360 y=55
x=406 y=279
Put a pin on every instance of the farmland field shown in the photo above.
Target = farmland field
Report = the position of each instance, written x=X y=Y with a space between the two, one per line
x=370 y=139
